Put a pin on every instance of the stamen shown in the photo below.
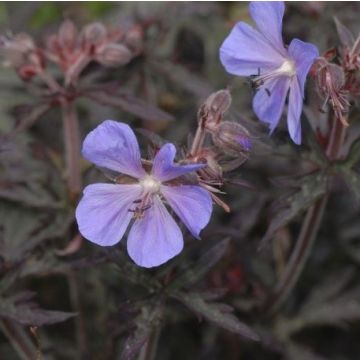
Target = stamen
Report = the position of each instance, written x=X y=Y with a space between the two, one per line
x=143 y=205
x=287 y=68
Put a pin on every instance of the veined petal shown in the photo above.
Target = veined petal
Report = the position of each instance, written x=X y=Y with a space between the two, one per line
x=304 y=55
x=113 y=145
x=245 y=52
x=268 y=103
x=268 y=16
x=103 y=212
x=164 y=168
x=192 y=204
x=294 y=111
x=155 y=238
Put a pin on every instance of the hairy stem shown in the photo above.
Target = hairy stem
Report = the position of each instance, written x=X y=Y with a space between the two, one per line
x=198 y=140
x=19 y=339
x=72 y=148
x=309 y=229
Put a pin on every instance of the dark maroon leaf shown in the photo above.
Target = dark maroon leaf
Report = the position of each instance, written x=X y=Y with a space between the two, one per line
x=27 y=314
x=131 y=104
x=217 y=313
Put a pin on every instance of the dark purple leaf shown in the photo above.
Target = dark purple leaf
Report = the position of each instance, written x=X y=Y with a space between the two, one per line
x=217 y=313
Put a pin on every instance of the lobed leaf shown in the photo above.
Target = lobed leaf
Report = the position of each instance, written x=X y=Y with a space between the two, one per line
x=27 y=314
x=194 y=272
x=217 y=313
x=312 y=188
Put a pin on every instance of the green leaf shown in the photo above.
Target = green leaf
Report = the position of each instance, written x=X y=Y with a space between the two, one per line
x=194 y=272
x=217 y=313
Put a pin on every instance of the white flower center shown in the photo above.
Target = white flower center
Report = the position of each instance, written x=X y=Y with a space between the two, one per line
x=150 y=184
x=287 y=68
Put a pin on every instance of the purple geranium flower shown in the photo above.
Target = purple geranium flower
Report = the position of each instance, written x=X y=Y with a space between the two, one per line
x=106 y=210
x=274 y=68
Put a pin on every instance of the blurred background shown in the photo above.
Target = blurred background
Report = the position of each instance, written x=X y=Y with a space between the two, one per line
x=114 y=306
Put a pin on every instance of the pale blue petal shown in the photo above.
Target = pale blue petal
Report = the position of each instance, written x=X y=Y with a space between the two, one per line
x=113 y=145
x=294 y=111
x=304 y=55
x=103 y=212
x=164 y=168
x=269 y=101
x=192 y=204
x=268 y=16
x=155 y=238
x=246 y=52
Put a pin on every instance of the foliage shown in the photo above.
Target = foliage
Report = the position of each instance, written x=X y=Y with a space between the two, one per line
x=62 y=297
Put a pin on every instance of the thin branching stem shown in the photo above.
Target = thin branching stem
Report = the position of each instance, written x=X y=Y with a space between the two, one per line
x=72 y=148
x=309 y=229
x=19 y=339
x=148 y=351
x=79 y=320
x=198 y=140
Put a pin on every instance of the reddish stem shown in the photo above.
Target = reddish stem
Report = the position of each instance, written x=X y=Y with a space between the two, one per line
x=72 y=148
x=309 y=229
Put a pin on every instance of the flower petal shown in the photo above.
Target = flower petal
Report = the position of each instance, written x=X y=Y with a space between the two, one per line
x=304 y=55
x=192 y=204
x=155 y=238
x=294 y=111
x=245 y=52
x=268 y=103
x=103 y=212
x=268 y=17
x=113 y=145
x=164 y=168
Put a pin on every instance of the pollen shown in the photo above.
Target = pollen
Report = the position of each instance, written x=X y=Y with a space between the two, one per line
x=150 y=184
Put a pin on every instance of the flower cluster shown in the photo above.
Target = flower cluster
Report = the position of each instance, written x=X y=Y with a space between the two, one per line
x=72 y=50
x=275 y=70
x=105 y=211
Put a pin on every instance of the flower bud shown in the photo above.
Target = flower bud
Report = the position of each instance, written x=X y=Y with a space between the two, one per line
x=232 y=138
x=214 y=108
x=67 y=34
x=330 y=84
x=94 y=34
x=114 y=55
x=134 y=39
x=21 y=53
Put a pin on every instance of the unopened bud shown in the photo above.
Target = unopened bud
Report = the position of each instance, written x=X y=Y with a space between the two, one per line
x=21 y=53
x=67 y=34
x=94 y=34
x=330 y=83
x=232 y=138
x=134 y=39
x=214 y=108
x=114 y=55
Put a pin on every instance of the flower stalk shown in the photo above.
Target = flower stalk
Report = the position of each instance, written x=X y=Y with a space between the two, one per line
x=72 y=147
x=309 y=229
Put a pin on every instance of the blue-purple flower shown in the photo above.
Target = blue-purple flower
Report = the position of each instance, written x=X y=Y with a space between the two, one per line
x=106 y=210
x=276 y=70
